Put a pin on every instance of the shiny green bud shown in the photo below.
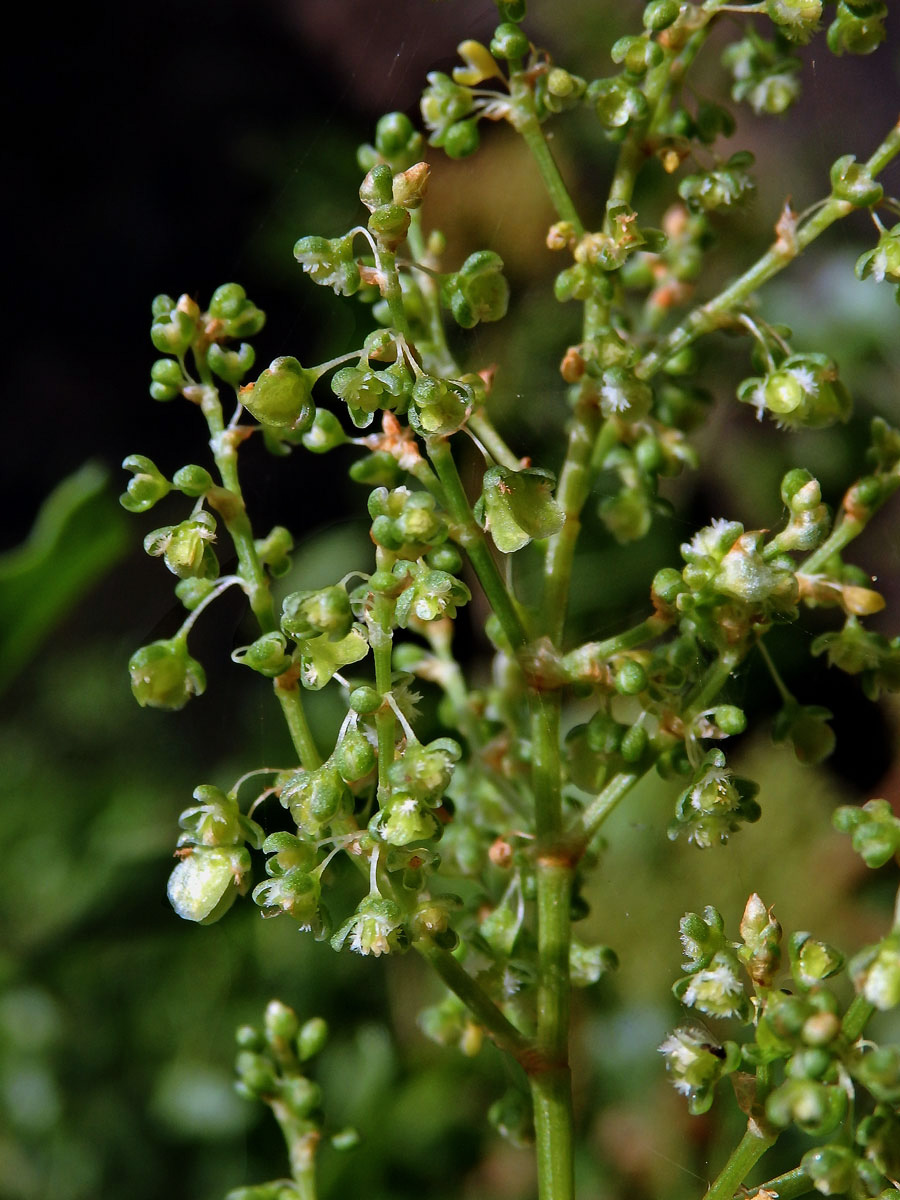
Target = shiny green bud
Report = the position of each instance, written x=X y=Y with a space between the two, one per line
x=282 y=396
x=163 y=675
x=192 y=480
x=147 y=486
x=231 y=365
x=312 y=1038
x=509 y=42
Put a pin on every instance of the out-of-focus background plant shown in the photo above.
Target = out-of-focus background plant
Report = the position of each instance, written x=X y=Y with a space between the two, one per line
x=192 y=142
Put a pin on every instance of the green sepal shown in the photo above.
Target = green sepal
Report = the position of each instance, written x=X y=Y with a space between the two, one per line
x=478 y=291
x=163 y=674
x=207 y=881
x=146 y=488
x=320 y=657
x=231 y=365
x=517 y=506
x=282 y=396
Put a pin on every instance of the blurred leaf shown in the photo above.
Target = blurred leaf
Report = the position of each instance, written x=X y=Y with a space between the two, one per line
x=78 y=534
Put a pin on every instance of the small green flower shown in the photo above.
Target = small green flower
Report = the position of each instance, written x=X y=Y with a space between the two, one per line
x=857 y=28
x=431 y=596
x=376 y=927
x=874 y=830
x=478 y=291
x=186 y=548
x=163 y=674
x=306 y=615
x=330 y=263
x=239 y=317
x=724 y=187
x=696 y=1063
x=884 y=261
x=216 y=820
x=876 y=972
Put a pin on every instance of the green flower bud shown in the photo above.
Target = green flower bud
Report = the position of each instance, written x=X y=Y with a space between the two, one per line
x=812 y=960
x=231 y=365
x=239 y=316
x=617 y=103
x=193 y=481
x=173 y=331
x=295 y=892
x=478 y=291
x=163 y=674
x=355 y=756
x=730 y=719
x=884 y=261
x=857 y=32
x=634 y=744
x=192 y=592
x=874 y=830
x=425 y=771
x=852 y=181
x=302 y=1096
x=397 y=140
x=365 y=700
x=443 y=104
x=831 y=1168
x=267 y=655
x=433 y=595
x=216 y=820
x=630 y=679
x=330 y=263
x=562 y=90
x=312 y=1037
x=761 y=951
x=815 y=1108
x=314 y=797
x=166 y=379
x=660 y=14
x=325 y=611
x=878 y=1069
x=724 y=187
x=409 y=186
x=636 y=54
x=147 y=486
x=325 y=433
x=280 y=1022
x=389 y=225
x=445 y=558
x=461 y=139
x=282 y=396
x=509 y=42
x=439 y=406
x=876 y=972
x=256 y=1077
x=207 y=881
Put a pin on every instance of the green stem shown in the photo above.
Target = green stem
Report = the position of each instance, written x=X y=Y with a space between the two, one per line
x=483 y=428
x=480 y=1005
x=381 y=639
x=586 y=661
x=471 y=538
x=849 y=527
x=717 y=312
x=744 y=1158
x=551 y=1089
x=789 y=1185
x=571 y=495
x=856 y=1018
x=224 y=444
x=526 y=123
x=786 y=695
x=391 y=290
x=302 y=1139
x=605 y=803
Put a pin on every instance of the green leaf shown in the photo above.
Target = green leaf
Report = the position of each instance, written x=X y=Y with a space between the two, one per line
x=78 y=535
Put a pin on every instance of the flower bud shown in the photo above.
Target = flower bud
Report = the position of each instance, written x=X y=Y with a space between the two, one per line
x=166 y=379
x=231 y=365
x=355 y=756
x=461 y=139
x=396 y=137
x=796 y=19
x=855 y=31
x=509 y=42
x=239 y=316
x=852 y=181
x=814 y=1107
x=173 y=331
x=267 y=655
x=147 y=486
x=874 y=829
x=311 y=1038
x=812 y=960
x=660 y=14
x=282 y=396
x=478 y=291
x=163 y=674
x=876 y=972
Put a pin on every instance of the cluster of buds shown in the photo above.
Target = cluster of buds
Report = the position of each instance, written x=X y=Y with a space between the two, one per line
x=419 y=778
x=721 y=187
x=765 y=73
